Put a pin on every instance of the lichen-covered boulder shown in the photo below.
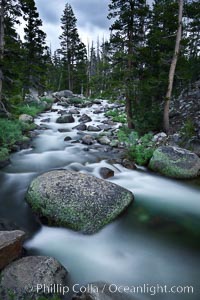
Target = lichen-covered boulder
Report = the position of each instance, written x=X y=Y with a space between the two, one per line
x=175 y=162
x=30 y=277
x=75 y=200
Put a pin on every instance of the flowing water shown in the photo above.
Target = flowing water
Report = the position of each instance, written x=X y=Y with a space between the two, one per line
x=122 y=253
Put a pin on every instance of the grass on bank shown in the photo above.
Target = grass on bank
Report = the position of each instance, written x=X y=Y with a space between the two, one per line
x=13 y=131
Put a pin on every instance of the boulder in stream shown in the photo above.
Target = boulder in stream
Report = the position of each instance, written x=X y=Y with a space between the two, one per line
x=106 y=172
x=85 y=118
x=175 y=162
x=75 y=200
x=81 y=127
x=88 y=139
x=68 y=118
x=30 y=277
x=10 y=246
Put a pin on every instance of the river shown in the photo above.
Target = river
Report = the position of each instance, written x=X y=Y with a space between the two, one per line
x=125 y=252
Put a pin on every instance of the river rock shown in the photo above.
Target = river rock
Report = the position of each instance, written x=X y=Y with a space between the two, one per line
x=79 y=201
x=63 y=94
x=104 y=140
x=175 y=162
x=74 y=111
x=27 y=277
x=106 y=172
x=81 y=127
x=102 y=291
x=67 y=138
x=65 y=119
x=87 y=139
x=126 y=163
x=85 y=118
x=10 y=246
x=93 y=128
x=26 y=118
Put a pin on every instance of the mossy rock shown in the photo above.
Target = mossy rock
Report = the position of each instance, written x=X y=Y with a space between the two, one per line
x=75 y=200
x=175 y=162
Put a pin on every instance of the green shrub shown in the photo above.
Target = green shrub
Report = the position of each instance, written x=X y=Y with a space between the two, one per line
x=117 y=116
x=46 y=99
x=31 y=110
x=139 y=149
x=4 y=154
x=10 y=132
x=188 y=130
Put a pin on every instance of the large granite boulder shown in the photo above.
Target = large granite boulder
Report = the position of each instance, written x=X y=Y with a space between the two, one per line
x=175 y=162
x=103 y=291
x=79 y=201
x=10 y=246
x=30 y=277
x=65 y=119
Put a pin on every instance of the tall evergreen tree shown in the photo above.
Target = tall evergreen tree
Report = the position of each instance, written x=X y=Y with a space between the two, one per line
x=72 y=49
x=10 y=48
x=128 y=35
x=35 y=47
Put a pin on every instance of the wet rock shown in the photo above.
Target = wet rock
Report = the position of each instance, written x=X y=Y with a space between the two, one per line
x=114 y=143
x=93 y=128
x=108 y=122
x=98 y=111
x=26 y=118
x=175 y=162
x=65 y=119
x=102 y=291
x=74 y=111
x=87 y=139
x=193 y=145
x=106 y=173
x=81 y=127
x=104 y=140
x=10 y=246
x=85 y=118
x=27 y=277
x=97 y=101
x=63 y=130
x=64 y=93
x=76 y=200
x=67 y=138
x=126 y=163
x=105 y=127
x=46 y=120
x=159 y=137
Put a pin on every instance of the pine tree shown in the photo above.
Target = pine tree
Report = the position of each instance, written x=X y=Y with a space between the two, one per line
x=72 y=49
x=128 y=37
x=35 y=47
x=10 y=49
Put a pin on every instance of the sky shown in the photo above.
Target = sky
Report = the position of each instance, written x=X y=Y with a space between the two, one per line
x=91 y=17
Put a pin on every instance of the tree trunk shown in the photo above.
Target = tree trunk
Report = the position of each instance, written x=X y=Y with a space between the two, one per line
x=172 y=69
